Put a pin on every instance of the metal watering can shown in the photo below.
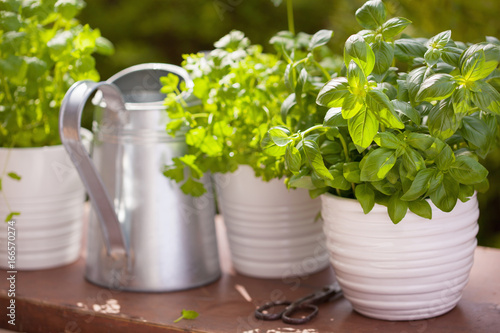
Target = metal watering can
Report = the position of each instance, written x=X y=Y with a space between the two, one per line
x=144 y=234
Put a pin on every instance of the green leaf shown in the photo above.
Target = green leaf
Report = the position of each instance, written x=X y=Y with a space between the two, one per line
x=377 y=163
x=436 y=87
x=371 y=15
x=421 y=208
x=413 y=162
x=397 y=208
x=478 y=133
x=445 y=158
x=104 y=46
x=187 y=314
x=314 y=159
x=338 y=182
x=446 y=195
x=451 y=55
x=486 y=97
x=293 y=159
x=462 y=101
x=193 y=187
x=420 y=184
x=388 y=140
x=320 y=38
x=406 y=109
x=432 y=56
x=384 y=55
x=357 y=49
x=409 y=48
x=270 y=147
x=352 y=172
x=170 y=83
x=287 y=105
x=442 y=122
x=440 y=40
x=353 y=105
x=333 y=118
x=466 y=192
x=381 y=106
x=11 y=216
x=280 y=135
x=491 y=56
x=366 y=197
x=333 y=93
x=363 y=127
x=473 y=67
x=414 y=81
x=301 y=81
x=467 y=170
x=14 y=176
x=302 y=180
x=394 y=26
x=355 y=77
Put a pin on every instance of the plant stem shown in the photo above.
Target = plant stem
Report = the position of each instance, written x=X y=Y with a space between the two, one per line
x=323 y=70
x=307 y=131
x=344 y=147
x=289 y=8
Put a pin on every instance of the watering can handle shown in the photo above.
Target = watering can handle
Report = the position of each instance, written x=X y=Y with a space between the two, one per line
x=69 y=130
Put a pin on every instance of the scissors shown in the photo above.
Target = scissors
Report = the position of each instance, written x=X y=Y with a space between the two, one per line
x=326 y=294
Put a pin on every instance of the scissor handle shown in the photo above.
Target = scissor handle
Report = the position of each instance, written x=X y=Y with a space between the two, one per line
x=259 y=312
x=287 y=314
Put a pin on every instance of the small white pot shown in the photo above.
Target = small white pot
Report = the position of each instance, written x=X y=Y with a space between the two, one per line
x=272 y=232
x=414 y=270
x=50 y=198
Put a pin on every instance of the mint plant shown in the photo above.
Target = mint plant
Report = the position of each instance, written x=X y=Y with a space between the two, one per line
x=43 y=50
x=243 y=92
x=399 y=137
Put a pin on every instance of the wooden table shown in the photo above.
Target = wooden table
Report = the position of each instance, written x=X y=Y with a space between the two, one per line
x=62 y=301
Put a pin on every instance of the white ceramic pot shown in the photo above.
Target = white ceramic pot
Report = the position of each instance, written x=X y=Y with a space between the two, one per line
x=272 y=232
x=50 y=198
x=416 y=269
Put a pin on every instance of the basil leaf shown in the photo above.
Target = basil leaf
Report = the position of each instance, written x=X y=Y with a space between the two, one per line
x=333 y=93
x=287 y=105
x=446 y=194
x=491 y=56
x=293 y=159
x=377 y=163
x=440 y=40
x=320 y=38
x=462 y=101
x=355 y=77
x=193 y=187
x=384 y=55
x=353 y=105
x=445 y=158
x=352 y=172
x=421 y=208
x=372 y=14
x=338 y=182
x=381 y=106
x=14 y=176
x=432 y=56
x=333 y=118
x=486 y=97
x=473 y=67
x=451 y=55
x=467 y=170
x=11 y=216
x=436 y=87
x=314 y=159
x=397 y=208
x=363 y=127
x=366 y=197
x=406 y=109
x=388 y=140
x=414 y=81
x=442 y=121
x=409 y=48
x=357 y=49
x=478 y=133
x=413 y=162
x=394 y=26
x=280 y=136
x=420 y=184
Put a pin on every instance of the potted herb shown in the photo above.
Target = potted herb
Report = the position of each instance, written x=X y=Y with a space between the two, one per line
x=272 y=232
x=43 y=50
x=401 y=146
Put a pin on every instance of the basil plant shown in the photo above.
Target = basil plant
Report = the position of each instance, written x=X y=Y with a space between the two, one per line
x=398 y=137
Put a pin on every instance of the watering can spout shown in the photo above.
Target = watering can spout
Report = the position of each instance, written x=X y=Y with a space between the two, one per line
x=69 y=126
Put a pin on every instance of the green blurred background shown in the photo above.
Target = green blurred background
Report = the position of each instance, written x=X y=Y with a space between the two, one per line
x=161 y=31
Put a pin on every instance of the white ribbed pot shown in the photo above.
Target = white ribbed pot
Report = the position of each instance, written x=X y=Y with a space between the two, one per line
x=272 y=232
x=416 y=269
x=50 y=197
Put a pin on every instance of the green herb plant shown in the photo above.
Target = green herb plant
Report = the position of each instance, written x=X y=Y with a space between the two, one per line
x=43 y=51
x=242 y=93
x=187 y=314
x=398 y=137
